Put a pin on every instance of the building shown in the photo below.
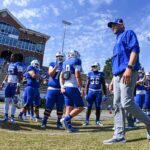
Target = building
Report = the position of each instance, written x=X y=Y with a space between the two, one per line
x=17 y=39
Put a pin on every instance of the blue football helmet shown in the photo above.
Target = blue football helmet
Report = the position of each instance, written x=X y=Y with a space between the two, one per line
x=60 y=57
x=73 y=54
x=95 y=66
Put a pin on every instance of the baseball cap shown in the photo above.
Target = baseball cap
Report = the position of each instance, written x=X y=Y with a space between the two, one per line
x=116 y=21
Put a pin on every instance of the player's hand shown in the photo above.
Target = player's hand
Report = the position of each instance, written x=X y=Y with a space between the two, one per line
x=105 y=98
x=63 y=89
x=17 y=91
x=126 y=78
x=1 y=87
x=82 y=92
x=110 y=87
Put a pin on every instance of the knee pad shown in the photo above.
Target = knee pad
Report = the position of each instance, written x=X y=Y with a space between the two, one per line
x=47 y=112
x=59 y=112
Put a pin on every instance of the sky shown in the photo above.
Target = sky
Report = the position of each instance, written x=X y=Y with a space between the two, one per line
x=88 y=32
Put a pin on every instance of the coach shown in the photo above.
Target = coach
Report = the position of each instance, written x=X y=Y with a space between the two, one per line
x=125 y=66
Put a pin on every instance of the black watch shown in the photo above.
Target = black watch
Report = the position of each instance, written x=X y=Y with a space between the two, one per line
x=130 y=67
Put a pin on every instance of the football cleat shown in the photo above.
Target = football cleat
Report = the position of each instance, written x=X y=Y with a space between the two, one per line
x=99 y=123
x=86 y=123
x=20 y=118
x=12 y=120
x=5 y=119
x=59 y=125
x=64 y=123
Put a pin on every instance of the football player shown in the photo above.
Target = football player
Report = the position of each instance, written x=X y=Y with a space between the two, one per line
x=140 y=90
x=147 y=95
x=71 y=87
x=12 y=81
x=54 y=96
x=31 y=93
x=94 y=86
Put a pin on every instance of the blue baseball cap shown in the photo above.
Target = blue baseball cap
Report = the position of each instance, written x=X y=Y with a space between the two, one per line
x=116 y=21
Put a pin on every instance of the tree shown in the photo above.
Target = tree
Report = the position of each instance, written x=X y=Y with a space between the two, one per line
x=108 y=69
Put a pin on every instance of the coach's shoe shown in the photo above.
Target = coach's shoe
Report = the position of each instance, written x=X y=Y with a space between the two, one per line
x=99 y=123
x=148 y=133
x=114 y=140
x=86 y=123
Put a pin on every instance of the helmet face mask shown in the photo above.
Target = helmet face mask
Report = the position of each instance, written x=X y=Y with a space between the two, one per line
x=73 y=54
x=35 y=63
x=60 y=57
x=95 y=66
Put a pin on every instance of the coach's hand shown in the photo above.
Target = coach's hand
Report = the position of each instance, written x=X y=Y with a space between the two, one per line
x=126 y=78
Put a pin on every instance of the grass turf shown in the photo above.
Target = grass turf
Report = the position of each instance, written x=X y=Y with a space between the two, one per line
x=28 y=135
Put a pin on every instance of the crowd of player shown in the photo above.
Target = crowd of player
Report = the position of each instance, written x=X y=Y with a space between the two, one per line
x=65 y=90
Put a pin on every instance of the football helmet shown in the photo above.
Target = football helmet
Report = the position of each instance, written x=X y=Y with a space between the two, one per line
x=147 y=74
x=35 y=63
x=73 y=54
x=60 y=57
x=95 y=66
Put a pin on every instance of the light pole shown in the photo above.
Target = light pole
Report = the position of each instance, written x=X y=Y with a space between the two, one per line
x=65 y=23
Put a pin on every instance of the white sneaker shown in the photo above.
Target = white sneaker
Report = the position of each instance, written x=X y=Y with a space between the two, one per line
x=113 y=141
x=86 y=123
x=99 y=123
x=148 y=133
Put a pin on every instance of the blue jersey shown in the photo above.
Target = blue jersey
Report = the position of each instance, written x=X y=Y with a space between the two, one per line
x=54 y=81
x=12 y=69
x=72 y=64
x=12 y=73
x=126 y=42
x=31 y=81
x=140 y=87
x=148 y=89
x=95 y=79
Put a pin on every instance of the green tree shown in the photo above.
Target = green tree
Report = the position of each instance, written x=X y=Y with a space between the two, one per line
x=108 y=69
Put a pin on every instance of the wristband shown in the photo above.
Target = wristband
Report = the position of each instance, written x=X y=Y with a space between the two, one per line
x=4 y=82
x=18 y=84
x=130 y=67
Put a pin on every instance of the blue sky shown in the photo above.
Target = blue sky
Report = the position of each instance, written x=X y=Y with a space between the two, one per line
x=88 y=33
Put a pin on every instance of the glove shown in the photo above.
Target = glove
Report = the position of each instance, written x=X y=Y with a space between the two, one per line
x=105 y=98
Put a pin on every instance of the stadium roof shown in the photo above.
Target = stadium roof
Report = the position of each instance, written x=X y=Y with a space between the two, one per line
x=23 y=28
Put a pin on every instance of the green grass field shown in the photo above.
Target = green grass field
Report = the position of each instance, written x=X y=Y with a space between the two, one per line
x=28 y=135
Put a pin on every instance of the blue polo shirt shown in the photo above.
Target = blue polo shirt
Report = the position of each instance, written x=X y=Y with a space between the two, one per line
x=126 y=42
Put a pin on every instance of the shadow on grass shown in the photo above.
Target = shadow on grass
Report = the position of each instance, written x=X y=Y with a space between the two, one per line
x=136 y=140
x=25 y=126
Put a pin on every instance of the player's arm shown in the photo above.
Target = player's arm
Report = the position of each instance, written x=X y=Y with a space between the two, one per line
x=62 y=81
x=32 y=73
x=111 y=85
x=87 y=85
x=104 y=86
x=79 y=82
x=4 y=82
x=52 y=70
